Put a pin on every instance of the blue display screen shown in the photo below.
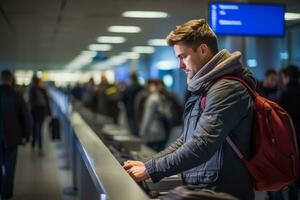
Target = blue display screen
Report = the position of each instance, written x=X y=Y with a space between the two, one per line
x=247 y=19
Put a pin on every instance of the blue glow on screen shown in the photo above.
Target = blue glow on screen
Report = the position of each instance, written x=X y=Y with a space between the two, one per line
x=247 y=19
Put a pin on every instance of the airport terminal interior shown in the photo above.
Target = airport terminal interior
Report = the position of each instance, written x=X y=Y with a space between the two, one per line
x=101 y=85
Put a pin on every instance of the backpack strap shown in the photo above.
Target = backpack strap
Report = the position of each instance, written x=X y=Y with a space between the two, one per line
x=250 y=90
x=203 y=104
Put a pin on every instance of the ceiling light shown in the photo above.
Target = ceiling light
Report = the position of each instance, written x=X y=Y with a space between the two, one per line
x=143 y=49
x=157 y=42
x=124 y=29
x=145 y=14
x=89 y=53
x=166 y=65
x=100 y=47
x=131 y=55
x=111 y=39
x=117 y=60
x=291 y=16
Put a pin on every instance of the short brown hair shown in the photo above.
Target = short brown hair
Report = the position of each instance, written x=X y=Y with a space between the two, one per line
x=193 y=33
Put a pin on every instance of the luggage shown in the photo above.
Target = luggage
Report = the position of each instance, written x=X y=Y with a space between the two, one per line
x=274 y=162
x=194 y=193
x=54 y=127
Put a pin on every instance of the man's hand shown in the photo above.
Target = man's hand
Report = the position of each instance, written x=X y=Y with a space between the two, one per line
x=138 y=173
x=136 y=170
x=131 y=163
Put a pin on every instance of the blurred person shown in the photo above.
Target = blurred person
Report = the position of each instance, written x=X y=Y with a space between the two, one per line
x=152 y=130
x=130 y=93
x=289 y=100
x=139 y=105
x=40 y=109
x=15 y=128
x=107 y=98
x=268 y=88
x=77 y=92
x=89 y=95
x=202 y=153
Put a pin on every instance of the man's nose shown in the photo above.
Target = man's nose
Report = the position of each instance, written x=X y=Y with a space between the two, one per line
x=181 y=65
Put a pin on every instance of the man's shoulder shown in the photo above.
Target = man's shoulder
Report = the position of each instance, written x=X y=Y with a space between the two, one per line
x=227 y=85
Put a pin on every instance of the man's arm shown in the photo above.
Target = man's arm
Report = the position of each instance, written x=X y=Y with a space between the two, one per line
x=134 y=163
x=173 y=147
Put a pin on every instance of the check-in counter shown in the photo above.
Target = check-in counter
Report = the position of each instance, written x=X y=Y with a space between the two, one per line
x=95 y=150
x=99 y=174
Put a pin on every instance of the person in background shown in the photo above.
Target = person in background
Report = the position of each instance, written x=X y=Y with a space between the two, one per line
x=202 y=153
x=268 y=88
x=107 y=98
x=139 y=105
x=15 y=129
x=289 y=100
x=130 y=93
x=152 y=130
x=89 y=95
x=77 y=92
x=40 y=108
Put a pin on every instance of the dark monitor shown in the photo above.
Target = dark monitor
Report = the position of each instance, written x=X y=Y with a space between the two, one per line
x=247 y=19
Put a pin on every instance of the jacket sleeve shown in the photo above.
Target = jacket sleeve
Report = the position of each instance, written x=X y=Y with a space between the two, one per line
x=226 y=104
x=170 y=149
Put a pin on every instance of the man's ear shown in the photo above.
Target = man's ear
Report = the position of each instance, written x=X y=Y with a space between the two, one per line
x=203 y=48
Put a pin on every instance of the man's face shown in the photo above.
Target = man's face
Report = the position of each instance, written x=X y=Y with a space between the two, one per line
x=190 y=60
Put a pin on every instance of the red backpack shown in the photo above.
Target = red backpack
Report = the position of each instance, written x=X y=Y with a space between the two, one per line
x=274 y=162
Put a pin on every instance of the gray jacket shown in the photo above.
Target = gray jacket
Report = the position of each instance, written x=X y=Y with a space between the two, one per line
x=152 y=129
x=202 y=153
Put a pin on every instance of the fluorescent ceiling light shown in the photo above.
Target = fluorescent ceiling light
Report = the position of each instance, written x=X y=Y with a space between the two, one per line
x=117 y=60
x=145 y=14
x=100 y=47
x=89 y=53
x=157 y=42
x=166 y=65
x=291 y=16
x=111 y=39
x=131 y=55
x=143 y=49
x=124 y=29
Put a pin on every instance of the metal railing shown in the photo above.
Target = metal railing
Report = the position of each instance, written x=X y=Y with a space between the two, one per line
x=97 y=175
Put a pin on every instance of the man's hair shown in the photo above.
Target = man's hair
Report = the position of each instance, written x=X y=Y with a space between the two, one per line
x=270 y=72
x=193 y=33
x=292 y=71
x=6 y=76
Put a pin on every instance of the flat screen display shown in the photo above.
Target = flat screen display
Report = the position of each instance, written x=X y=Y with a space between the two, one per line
x=247 y=19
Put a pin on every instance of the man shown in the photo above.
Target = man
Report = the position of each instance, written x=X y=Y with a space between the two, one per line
x=128 y=98
x=15 y=126
x=40 y=109
x=202 y=153
x=269 y=87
